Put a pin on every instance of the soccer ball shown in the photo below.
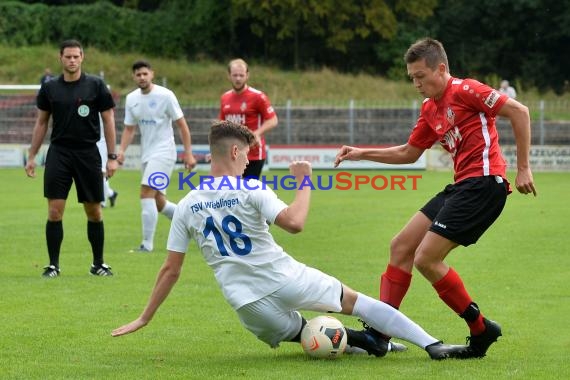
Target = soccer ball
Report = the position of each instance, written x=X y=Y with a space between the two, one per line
x=324 y=337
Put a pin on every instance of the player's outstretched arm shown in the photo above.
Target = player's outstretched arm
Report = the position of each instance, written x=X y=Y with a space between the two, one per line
x=167 y=277
x=345 y=153
x=396 y=155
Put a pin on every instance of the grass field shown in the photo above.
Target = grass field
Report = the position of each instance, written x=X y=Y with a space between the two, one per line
x=60 y=328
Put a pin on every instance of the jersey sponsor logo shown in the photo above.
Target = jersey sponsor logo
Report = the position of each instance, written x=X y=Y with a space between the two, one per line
x=492 y=99
x=83 y=110
x=237 y=118
x=146 y=122
x=450 y=140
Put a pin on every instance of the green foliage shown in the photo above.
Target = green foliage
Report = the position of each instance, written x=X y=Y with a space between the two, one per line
x=100 y=24
x=336 y=25
x=22 y=25
x=522 y=41
x=516 y=39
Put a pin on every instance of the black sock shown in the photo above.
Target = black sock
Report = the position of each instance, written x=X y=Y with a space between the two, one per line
x=471 y=313
x=54 y=237
x=96 y=236
x=297 y=338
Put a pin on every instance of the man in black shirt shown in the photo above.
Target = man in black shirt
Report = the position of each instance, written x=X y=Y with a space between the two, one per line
x=74 y=100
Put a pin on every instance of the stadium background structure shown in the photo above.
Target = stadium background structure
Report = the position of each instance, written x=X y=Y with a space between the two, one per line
x=351 y=122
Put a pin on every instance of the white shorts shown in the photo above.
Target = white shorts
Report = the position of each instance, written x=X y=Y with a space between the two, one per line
x=275 y=318
x=157 y=169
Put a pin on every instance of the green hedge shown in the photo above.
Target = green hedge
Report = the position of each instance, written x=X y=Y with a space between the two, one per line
x=101 y=25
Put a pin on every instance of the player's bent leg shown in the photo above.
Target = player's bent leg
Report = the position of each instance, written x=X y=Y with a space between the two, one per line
x=269 y=323
x=164 y=206
x=430 y=254
x=368 y=340
x=396 y=280
x=387 y=320
x=404 y=245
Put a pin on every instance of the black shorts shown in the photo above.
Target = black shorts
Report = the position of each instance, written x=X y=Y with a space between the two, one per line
x=82 y=166
x=253 y=169
x=463 y=211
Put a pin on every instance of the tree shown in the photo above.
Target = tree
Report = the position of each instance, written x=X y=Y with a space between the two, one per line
x=526 y=40
x=335 y=23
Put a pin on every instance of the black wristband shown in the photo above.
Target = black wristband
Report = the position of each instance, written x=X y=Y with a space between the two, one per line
x=112 y=156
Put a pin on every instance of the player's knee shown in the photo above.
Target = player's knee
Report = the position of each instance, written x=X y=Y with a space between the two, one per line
x=423 y=263
x=93 y=212
x=55 y=213
x=400 y=251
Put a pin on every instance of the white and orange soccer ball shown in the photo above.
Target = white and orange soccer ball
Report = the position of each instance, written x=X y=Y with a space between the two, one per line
x=324 y=337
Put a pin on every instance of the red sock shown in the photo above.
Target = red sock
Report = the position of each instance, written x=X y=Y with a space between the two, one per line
x=452 y=291
x=394 y=285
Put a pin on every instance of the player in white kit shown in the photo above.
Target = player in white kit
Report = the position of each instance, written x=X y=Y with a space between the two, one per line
x=153 y=109
x=229 y=219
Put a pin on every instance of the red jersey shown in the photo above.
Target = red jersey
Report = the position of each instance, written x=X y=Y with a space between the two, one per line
x=463 y=121
x=250 y=108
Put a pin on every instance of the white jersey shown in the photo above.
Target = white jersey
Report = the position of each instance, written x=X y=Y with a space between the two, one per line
x=229 y=224
x=102 y=145
x=154 y=113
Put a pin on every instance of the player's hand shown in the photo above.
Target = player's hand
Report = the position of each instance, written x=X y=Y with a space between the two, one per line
x=189 y=161
x=300 y=169
x=120 y=157
x=129 y=328
x=347 y=153
x=112 y=166
x=31 y=168
x=524 y=182
x=257 y=142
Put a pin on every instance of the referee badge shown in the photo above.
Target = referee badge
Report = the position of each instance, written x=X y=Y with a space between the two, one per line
x=83 y=110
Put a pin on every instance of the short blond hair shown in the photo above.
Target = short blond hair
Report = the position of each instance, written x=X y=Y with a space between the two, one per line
x=237 y=61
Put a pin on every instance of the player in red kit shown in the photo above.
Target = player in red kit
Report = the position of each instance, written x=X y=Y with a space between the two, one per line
x=460 y=114
x=250 y=107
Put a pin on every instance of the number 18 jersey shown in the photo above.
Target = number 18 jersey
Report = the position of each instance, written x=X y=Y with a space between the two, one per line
x=228 y=220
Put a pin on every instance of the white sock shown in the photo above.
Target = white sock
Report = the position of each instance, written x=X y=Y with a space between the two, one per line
x=149 y=216
x=387 y=320
x=107 y=189
x=168 y=209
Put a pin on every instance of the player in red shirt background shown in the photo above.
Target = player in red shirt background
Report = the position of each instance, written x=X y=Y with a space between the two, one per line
x=460 y=114
x=250 y=107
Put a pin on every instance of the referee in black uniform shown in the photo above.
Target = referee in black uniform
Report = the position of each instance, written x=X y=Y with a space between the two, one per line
x=74 y=100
